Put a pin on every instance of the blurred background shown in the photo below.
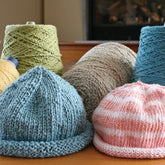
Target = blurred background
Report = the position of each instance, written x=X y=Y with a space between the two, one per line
x=85 y=20
x=66 y=15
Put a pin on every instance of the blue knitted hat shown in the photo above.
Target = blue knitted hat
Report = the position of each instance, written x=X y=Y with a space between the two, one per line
x=42 y=115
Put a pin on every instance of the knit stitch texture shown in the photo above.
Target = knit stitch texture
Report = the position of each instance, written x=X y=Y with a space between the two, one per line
x=150 y=67
x=99 y=71
x=33 y=45
x=42 y=115
x=129 y=122
x=8 y=74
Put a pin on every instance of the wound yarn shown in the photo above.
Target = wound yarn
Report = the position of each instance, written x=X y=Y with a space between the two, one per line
x=8 y=74
x=150 y=67
x=99 y=71
x=33 y=45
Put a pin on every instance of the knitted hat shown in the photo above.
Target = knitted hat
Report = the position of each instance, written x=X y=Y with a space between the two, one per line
x=129 y=122
x=8 y=74
x=99 y=71
x=42 y=115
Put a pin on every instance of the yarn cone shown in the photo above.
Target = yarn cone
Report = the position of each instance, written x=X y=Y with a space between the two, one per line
x=150 y=67
x=33 y=45
x=8 y=74
x=99 y=71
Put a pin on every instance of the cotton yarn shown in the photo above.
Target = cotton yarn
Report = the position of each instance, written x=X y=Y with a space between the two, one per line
x=129 y=122
x=8 y=74
x=33 y=45
x=42 y=115
x=150 y=67
x=99 y=71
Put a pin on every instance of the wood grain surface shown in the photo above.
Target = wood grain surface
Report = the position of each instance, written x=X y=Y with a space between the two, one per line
x=88 y=156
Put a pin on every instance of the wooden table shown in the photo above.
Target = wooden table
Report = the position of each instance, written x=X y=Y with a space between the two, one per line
x=88 y=156
x=72 y=52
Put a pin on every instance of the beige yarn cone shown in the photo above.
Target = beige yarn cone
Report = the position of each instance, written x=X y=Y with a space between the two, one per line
x=99 y=71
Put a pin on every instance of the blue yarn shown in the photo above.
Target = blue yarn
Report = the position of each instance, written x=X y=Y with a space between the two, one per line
x=150 y=62
x=42 y=115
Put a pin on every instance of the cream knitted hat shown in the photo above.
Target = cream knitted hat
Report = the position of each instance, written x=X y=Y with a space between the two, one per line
x=129 y=122
x=99 y=71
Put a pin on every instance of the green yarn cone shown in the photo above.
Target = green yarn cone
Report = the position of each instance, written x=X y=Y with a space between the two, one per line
x=33 y=45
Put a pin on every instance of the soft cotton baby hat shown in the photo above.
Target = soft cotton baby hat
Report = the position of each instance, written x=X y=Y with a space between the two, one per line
x=129 y=122
x=42 y=115
x=99 y=71
x=8 y=74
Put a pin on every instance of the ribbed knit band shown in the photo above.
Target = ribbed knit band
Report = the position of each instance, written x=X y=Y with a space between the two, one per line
x=129 y=122
x=128 y=152
x=34 y=149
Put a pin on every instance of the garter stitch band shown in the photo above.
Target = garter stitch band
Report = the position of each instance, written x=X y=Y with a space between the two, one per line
x=129 y=122
x=8 y=74
x=99 y=71
x=33 y=45
x=42 y=115
x=150 y=66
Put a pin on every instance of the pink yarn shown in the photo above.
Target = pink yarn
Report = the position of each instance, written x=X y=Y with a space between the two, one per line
x=130 y=122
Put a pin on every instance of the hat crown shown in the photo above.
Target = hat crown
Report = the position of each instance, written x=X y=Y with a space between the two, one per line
x=41 y=106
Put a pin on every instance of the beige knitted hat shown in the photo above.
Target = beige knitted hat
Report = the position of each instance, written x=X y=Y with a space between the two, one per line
x=99 y=71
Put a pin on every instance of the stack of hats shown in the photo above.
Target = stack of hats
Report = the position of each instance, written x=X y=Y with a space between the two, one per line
x=129 y=122
x=99 y=71
x=42 y=115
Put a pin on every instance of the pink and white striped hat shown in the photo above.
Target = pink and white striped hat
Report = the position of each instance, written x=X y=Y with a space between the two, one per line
x=130 y=122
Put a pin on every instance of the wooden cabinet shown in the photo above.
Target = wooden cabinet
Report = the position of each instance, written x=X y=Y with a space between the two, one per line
x=73 y=51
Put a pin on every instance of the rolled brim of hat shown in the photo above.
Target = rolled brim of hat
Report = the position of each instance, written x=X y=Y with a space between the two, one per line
x=128 y=152
x=35 y=149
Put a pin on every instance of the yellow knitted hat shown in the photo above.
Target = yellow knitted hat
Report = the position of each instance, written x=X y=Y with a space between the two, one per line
x=8 y=74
